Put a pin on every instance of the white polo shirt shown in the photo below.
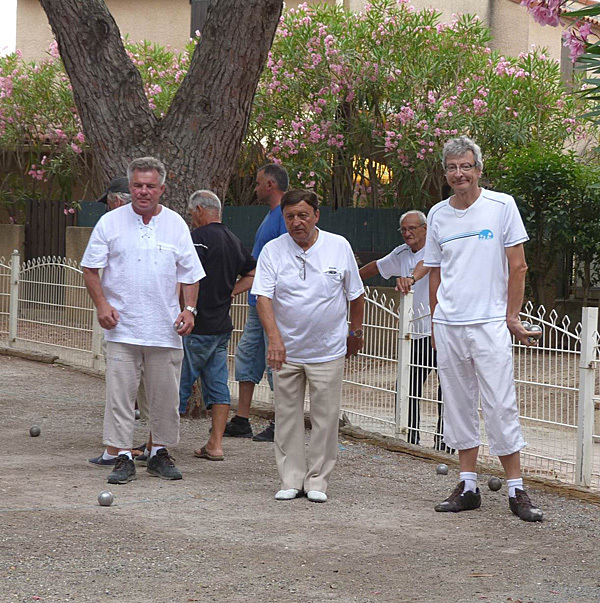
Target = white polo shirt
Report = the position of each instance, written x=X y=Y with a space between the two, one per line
x=401 y=262
x=310 y=291
x=469 y=247
x=142 y=265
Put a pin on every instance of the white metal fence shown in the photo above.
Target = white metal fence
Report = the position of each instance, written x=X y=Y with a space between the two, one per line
x=44 y=307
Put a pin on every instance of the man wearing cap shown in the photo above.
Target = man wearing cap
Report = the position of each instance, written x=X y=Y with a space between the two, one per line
x=406 y=262
x=145 y=250
x=117 y=193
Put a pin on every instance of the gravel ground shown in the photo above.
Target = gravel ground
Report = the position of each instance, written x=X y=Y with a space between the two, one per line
x=218 y=535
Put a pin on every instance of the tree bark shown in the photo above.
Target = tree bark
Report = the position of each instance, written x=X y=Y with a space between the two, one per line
x=201 y=134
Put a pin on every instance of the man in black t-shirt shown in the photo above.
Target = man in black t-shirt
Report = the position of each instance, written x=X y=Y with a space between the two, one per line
x=224 y=258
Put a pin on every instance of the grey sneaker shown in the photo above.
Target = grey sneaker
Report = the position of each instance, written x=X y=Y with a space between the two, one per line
x=123 y=472
x=162 y=465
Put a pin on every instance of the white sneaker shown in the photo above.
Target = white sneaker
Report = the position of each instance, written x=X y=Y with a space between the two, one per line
x=287 y=494
x=316 y=496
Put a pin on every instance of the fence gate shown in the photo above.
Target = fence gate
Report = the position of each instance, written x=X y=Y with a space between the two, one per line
x=45 y=229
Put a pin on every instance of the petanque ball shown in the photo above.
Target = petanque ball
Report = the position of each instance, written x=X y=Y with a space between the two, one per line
x=442 y=469
x=526 y=324
x=494 y=483
x=536 y=331
x=137 y=413
x=34 y=431
x=105 y=498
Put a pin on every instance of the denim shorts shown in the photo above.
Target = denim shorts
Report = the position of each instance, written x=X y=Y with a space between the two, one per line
x=205 y=356
x=251 y=352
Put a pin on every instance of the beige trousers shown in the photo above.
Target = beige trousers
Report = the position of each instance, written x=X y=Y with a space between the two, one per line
x=162 y=370
x=299 y=468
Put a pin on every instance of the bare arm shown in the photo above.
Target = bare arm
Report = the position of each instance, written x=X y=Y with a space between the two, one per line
x=276 y=348
x=108 y=317
x=357 y=312
x=244 y=284
x=434 y=284
x=189 y=292
x=369 y=270
x=404 y=283
x=517 y=269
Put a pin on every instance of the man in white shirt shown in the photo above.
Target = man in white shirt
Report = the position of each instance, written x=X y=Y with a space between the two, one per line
x=145 y=250
x=477 y=280
x=304 y=280
x=406 y=262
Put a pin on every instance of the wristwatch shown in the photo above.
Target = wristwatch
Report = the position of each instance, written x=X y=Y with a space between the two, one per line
x=414 y=280
x=358 y=333
x=192 y=310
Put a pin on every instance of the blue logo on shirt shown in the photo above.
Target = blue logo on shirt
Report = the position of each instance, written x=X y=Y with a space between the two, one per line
x=482 y=235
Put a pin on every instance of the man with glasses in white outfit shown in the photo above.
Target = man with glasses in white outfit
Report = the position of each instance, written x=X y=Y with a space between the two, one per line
x=477 y=279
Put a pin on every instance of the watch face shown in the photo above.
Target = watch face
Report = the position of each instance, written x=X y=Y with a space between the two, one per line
x=358 y=333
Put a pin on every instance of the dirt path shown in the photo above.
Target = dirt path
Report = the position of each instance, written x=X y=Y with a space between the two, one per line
x=218 y=535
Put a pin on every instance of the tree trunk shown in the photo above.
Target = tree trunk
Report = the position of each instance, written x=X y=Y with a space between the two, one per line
x=200 y=136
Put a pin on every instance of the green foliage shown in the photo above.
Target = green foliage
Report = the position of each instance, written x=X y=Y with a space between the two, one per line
x=559 y=205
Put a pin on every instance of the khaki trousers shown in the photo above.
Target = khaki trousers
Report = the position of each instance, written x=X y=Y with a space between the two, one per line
x=162 y=369
x=142 y=402
x=299 y=468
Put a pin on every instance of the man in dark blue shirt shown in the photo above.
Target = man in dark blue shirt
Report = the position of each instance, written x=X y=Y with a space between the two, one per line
x=224 y=258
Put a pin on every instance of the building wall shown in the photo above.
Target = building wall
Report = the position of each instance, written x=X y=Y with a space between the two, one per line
x=513 y=28
x=141 y=19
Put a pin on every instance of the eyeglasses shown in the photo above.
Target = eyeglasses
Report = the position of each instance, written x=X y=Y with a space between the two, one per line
x=463 y=167
x=406 y=229
x=302 y=273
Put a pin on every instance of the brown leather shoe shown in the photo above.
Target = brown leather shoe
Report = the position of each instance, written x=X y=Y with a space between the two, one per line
x=459 y=501
x=521 y=506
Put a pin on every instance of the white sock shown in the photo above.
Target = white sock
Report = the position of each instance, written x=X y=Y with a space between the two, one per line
x=470 y=479
x=107 y=457
x=127 y=453
x=512 y=484
x=155 y=449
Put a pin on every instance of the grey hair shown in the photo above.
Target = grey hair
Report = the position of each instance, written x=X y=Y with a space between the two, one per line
x=205 y=199
x=147 y=164
x=125 y=197
x=417 y=213
x=456 y=147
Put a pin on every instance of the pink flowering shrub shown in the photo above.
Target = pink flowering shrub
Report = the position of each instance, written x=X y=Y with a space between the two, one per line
x=42 y=146
x=359 y=105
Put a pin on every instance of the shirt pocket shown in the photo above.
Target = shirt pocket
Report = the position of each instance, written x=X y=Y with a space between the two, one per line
x=333 y=279
x=166 y=259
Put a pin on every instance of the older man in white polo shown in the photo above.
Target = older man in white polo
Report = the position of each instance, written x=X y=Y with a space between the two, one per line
x=304 y=280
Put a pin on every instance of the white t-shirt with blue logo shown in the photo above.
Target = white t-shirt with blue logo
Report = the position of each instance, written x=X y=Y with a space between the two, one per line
x=401 y=262
x=469 y=247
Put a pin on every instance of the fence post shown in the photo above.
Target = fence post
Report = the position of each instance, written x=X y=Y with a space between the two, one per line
x=403 y=374
x=587 y=377
x=13 y=308
x=96 y=341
